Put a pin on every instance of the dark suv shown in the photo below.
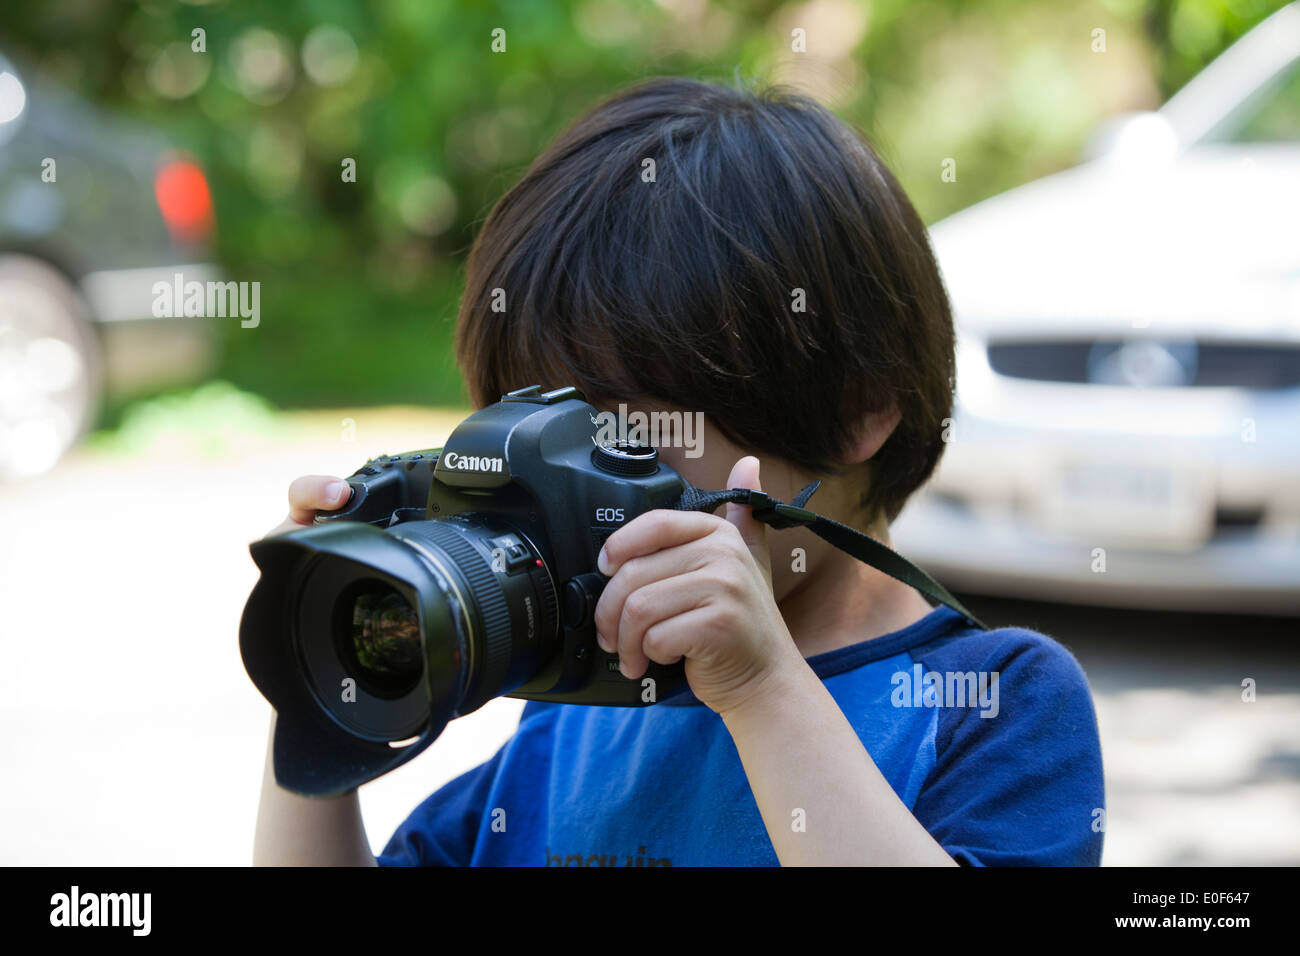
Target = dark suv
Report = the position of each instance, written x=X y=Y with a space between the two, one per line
x=93 y=211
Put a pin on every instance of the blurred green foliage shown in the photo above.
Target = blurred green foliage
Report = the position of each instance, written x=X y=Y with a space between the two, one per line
x=360 y=280
x=209 y=421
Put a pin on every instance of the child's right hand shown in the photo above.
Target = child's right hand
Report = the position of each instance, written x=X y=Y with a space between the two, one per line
x=308 y=495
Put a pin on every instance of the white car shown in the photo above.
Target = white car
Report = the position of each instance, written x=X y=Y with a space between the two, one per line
x=1127 y=428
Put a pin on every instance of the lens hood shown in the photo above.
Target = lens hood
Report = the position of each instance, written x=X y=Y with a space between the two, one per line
x=314 y=752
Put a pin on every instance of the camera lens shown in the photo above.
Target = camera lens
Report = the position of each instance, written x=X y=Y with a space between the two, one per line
x=390 y=633
x=381 y=639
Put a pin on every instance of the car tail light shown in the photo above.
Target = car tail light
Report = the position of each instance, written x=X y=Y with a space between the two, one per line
x=184 y=200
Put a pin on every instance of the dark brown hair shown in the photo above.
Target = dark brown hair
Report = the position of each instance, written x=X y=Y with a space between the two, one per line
x=682 y=289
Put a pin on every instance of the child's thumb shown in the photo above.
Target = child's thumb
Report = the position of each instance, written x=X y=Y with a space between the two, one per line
x=745 y=475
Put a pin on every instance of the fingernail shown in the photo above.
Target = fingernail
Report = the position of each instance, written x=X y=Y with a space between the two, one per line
x=604 y=644
x=338 y=491
x=602 y=562
x=623 y=670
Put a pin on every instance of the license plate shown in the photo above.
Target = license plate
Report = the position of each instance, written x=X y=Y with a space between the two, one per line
x=1138 y=504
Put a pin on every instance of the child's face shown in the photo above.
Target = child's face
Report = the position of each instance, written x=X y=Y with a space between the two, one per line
x=705 y=457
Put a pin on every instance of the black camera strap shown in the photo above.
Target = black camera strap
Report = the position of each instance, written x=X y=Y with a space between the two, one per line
x=777 y=514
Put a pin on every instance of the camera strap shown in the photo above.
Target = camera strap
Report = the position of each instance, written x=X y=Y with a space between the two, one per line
x=777 y=514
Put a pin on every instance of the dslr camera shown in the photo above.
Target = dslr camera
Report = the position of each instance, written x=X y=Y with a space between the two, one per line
x=450 y=577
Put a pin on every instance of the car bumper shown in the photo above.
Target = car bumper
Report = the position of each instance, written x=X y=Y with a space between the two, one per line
x=1006 y=512
x=127 y=295
x=142 y=352
x=1253 y=572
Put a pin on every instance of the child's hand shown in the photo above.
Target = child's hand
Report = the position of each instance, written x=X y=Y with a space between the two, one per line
x=689 y=584
x=310 y=494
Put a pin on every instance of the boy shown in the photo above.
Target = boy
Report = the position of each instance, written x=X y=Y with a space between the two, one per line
x=694 y=248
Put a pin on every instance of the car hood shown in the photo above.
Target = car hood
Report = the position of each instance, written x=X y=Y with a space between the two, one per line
x=1206 y=243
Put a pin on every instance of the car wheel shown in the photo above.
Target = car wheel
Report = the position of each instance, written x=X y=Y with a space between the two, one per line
x=49 y=367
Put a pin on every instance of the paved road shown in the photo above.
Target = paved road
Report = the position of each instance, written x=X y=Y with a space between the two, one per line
x=132 y=735
x=1194 y=774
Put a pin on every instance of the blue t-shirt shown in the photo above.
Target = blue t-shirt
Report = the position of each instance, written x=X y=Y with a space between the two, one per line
x=988 y=737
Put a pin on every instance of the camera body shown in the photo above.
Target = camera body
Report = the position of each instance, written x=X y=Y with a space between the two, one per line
x=532 y=463
x=451 y=576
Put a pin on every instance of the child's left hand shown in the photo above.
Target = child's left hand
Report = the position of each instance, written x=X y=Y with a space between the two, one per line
x=685 y=584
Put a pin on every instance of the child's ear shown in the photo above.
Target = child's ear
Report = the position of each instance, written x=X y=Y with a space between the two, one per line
x=872 y=432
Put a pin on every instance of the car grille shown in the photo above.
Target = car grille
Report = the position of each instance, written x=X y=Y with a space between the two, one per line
x=1203 y=364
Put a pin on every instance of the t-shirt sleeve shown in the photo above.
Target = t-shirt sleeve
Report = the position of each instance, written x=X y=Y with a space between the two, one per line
x=443 y=829
x=1022 y=786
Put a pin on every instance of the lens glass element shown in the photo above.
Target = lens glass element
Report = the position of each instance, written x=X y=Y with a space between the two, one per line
x=382 y=647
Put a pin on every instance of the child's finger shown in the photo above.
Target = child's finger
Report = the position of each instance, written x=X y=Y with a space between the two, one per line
x=658 y=601
x=312 y=493
x=650 y=532
x=636 y=574
x=674 y=638
x=744 y=474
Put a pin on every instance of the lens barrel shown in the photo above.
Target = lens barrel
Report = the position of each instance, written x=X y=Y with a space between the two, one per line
x=396 y=630
x=509 y=594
